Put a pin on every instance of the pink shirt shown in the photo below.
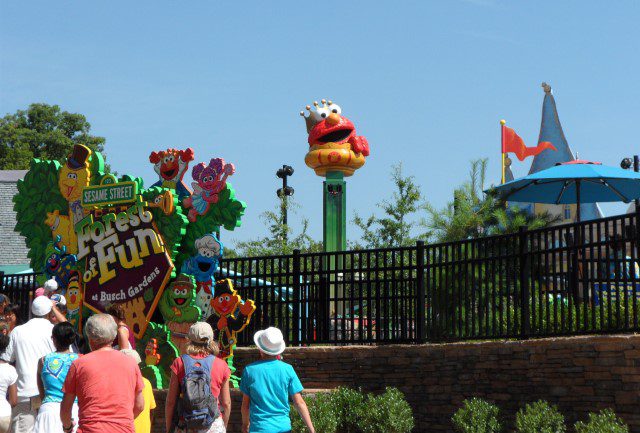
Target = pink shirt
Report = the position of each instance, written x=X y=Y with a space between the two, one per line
x=219 y=373
x=106 y=383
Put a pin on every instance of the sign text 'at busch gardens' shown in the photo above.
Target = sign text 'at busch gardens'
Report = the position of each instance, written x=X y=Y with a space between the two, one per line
x=108 y=240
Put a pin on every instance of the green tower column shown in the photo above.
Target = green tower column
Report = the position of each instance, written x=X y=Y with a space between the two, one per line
x=335 y=212
x=335 y=235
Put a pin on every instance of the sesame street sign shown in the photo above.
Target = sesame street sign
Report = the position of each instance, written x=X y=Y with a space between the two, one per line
x=109 y=194
x=126 y=262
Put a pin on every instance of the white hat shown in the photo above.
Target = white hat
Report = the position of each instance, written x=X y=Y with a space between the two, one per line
x=51 y=285
x=132 y=354
x=41 y=306
x=270 y=341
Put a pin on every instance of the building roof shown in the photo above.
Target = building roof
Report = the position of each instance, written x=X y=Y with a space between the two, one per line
x=14 y=249
x=12 y=175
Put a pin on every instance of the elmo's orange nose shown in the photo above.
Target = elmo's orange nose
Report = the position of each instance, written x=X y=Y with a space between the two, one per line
x=333 y=119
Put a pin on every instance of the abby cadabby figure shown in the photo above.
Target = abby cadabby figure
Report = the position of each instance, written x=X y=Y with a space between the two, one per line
x=210 y=180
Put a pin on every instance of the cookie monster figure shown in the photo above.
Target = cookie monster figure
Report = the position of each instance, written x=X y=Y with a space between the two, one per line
x=202 y=266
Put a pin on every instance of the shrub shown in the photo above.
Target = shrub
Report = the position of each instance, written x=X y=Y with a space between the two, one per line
x=477 y=416
x=605 y=421
x=540 y=417
x=348 y=406
x=321 y=409
x=388 y=412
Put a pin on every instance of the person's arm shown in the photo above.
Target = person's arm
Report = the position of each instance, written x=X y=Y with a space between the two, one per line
x=246 y=401
x=170 y=405
x=225 y=402
x=59 y=316
x=302 y=409
x=40 y=384
x=9 y=354
x=65 y=409
x=123 y=338
x=12 y=392
x=138 y=405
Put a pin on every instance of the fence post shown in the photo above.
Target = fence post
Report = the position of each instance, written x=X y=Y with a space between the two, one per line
x=524 y=281
x=420 y=293
x=297 y=325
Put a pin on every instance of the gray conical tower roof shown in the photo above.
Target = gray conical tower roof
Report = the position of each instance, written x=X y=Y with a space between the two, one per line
x=551 y=130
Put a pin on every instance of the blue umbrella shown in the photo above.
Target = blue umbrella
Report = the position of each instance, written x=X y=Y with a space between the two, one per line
x=574 y=182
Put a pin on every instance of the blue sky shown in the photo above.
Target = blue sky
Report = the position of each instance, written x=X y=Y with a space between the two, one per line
x=425 y=81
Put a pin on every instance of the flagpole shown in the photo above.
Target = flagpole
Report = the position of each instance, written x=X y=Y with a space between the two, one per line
x=502 y=123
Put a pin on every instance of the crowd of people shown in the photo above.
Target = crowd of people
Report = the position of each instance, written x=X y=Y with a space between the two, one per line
x=53 y=380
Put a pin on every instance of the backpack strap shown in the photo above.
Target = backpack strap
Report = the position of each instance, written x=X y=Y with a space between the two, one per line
x=190 y=363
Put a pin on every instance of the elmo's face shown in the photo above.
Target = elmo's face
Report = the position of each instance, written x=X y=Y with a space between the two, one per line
x=331 y=126
x=225 y=304
x=333 y=129
x=169 y=167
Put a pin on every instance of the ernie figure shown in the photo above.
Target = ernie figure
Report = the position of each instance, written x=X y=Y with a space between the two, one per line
x=231 y=315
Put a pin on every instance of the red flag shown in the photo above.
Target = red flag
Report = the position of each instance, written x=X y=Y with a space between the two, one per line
x=512 y=143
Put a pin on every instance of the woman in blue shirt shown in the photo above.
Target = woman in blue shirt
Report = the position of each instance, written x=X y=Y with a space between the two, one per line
x=267 y=385
x=52 y=371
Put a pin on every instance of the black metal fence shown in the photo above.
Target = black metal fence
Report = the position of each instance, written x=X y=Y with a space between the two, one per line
x=20 y=289
x=565 y=280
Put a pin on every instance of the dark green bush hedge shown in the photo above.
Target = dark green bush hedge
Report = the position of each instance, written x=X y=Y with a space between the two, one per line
x=348 y=411
x=605 y=421
x=477 y=416
x=540 y=417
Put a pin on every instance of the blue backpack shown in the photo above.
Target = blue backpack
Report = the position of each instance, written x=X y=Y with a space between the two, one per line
x=198 y=408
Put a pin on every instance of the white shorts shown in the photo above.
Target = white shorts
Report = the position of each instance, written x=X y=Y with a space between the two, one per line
x=216 y=427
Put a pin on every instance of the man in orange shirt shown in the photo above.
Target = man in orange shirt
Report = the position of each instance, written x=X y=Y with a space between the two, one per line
x=107 y=383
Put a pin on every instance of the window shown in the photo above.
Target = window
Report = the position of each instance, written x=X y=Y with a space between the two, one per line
x=567 y=212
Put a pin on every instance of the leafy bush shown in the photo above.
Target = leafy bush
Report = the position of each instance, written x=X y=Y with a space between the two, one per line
x=540 y=417
x=388 y=412
x=349 y=411
x=605 y=421
x=477 y=416
x=348 y=406
x=322 y=411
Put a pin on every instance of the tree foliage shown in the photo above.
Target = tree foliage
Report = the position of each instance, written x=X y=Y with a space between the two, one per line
x=38 y=194
x=43 y=131
x=474 y=213
x=395 y=228
x=280 y=238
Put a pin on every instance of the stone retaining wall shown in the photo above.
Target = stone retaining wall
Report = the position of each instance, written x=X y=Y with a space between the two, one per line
x=579 y=374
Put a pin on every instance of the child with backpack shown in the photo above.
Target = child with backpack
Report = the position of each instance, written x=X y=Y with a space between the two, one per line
x=267 y=385
x=198 y=400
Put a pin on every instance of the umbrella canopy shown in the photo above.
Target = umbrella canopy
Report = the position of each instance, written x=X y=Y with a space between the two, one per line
x=574 y=182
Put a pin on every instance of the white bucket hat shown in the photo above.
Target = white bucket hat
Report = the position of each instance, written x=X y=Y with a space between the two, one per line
x=270 y=341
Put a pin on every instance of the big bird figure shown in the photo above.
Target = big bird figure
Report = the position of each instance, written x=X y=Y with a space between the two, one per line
x=72 y=178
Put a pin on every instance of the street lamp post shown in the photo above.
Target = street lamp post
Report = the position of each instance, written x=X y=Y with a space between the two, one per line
x=286 y=191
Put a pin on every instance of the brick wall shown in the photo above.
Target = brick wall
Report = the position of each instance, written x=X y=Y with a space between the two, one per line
x=578 y=374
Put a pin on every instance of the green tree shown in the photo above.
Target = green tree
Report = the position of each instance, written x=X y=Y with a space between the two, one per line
x=396 y=227
x=42 y=131
x=474 y=213
x=280 y=238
